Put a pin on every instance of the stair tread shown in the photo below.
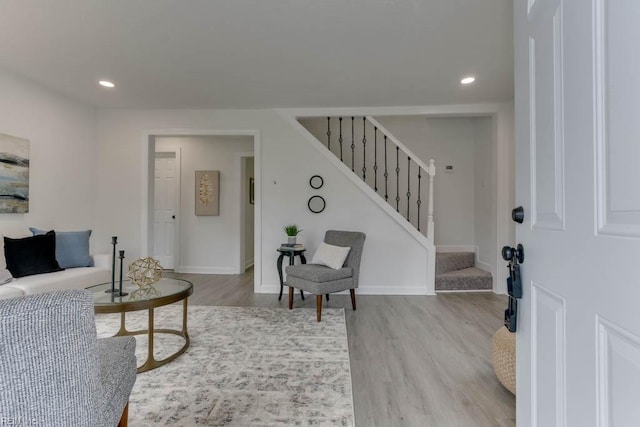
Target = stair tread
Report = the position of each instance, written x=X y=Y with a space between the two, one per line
x=466 y=279
x=450 y=261
x=466 y=272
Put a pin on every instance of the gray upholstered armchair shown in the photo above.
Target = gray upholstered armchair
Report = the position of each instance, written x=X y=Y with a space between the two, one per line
x=320 y=280
x=53 y=369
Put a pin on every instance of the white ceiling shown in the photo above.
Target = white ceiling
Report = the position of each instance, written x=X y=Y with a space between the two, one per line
x=262 y=53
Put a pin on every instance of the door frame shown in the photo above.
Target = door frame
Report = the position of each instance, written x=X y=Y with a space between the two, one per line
x=147 y=147
x=241 y=162
x=178 y=190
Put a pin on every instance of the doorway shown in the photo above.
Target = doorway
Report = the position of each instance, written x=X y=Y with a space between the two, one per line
x=247 y=211
x=166 y=207
x=204 y=244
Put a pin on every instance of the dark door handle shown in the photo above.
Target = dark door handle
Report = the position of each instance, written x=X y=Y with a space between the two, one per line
x=517 y=214
x=510 y=254
x=173 y=217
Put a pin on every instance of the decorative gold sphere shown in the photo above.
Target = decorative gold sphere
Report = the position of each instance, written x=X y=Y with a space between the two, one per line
x=145 y=272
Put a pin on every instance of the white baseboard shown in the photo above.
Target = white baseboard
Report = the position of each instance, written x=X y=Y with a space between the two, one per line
x=457 y=291
x=456 y=248
x=363 y=290
x=248 y=263
x=205 y=270
x=391 y=290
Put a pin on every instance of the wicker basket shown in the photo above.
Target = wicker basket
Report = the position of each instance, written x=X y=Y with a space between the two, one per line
x=504 y=358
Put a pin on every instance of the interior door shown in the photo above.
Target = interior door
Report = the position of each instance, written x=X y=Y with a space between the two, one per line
x=166 y=204
x=578 y=178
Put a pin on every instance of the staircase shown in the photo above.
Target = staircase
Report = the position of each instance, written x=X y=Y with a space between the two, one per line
x=455 y=271
x=386 y=165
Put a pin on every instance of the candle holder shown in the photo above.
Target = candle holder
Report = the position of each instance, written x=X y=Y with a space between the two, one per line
x=114 y=242
x=120 y=293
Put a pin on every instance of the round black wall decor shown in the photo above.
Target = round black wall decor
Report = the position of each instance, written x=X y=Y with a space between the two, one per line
x=316 y=204
x=316 y=182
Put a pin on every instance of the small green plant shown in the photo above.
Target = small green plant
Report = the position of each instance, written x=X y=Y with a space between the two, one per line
x=291 y=230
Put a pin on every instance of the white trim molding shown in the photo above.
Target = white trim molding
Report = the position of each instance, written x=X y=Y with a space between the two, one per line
x=205 y=270
x=147 y=137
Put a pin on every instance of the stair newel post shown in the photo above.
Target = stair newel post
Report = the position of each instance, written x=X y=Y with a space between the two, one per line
x=340 y=138
x=329 y=133
x=430 y=222
x=353 y=146
x=364 y=149
x=397 y=179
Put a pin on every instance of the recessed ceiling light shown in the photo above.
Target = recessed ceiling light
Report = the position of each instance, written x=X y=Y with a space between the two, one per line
x=468 y=80
x=106 y=83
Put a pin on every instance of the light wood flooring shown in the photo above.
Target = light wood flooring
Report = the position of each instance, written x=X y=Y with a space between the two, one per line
x=415 y=360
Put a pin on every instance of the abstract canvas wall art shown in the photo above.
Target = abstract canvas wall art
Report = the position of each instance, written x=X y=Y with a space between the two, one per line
x=14 y=174
x=207 y=193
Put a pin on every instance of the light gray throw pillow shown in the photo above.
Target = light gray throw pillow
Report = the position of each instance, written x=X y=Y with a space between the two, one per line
x=330 y=255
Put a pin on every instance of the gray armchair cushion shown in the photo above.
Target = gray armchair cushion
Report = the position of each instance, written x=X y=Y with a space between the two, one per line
x=318 y=273
x=50 y=362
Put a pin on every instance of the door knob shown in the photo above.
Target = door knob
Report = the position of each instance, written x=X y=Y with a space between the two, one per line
x=510 y=254
x=517 y=214
x=173 y=217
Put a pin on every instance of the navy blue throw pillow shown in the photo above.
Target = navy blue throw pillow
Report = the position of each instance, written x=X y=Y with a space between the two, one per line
x=31 y=255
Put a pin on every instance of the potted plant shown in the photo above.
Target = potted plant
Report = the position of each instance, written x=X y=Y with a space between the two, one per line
x=291 y=231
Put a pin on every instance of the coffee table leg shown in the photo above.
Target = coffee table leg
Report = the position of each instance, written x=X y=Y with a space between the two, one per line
x=123 y=329
x=150 y=358
x=184 y=318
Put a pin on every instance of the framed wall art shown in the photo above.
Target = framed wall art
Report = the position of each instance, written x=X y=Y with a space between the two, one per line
x=14 y=174
x=207 y=193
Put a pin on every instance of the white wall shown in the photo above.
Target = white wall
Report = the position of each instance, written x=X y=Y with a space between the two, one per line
x=393 y=261
x=207 y=242
x=485 y=194
x=62 y=181
x=449 y=141
x=248 y=214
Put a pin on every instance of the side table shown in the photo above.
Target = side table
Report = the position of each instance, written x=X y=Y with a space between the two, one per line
x=291 y=253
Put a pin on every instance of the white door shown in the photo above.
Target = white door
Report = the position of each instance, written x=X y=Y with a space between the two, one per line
x=578 y=178
x=166 y=204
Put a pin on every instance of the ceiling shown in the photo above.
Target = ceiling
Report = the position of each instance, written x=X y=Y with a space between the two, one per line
x=262 y=54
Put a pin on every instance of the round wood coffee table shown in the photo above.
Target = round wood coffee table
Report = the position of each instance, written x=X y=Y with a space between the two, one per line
x=163 y=292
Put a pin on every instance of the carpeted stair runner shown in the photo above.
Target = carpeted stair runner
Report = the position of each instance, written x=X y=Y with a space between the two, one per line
x=455 y=271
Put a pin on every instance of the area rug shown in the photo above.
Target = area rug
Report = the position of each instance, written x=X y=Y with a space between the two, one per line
x=245 y=367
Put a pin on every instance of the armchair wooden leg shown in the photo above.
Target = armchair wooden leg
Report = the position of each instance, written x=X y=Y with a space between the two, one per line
x=125 y=417
x=319 y=307
x=353 y=298
x=290 y=297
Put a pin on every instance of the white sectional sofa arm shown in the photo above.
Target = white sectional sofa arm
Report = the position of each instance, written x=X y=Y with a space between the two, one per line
x=102 y=261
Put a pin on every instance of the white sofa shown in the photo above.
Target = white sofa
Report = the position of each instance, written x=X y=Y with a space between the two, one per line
x=71 y=278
